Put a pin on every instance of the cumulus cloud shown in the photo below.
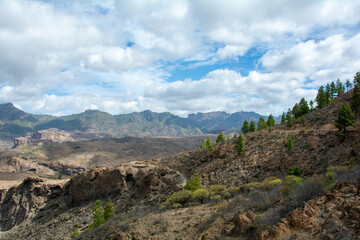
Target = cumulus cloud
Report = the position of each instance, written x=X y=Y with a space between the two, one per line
x=62 y=57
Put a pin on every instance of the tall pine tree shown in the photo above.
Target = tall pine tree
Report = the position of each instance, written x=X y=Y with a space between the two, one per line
x=270 y=121
x=261 y=124
x=283 y=118
x=245 y=128
x=345 y=118
x=209 y=145
x=252 y=126
x=220 y=138
x=240 y=145
x=355 y=100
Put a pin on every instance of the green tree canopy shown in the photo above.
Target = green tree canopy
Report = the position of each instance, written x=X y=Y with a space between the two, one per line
x=270 y=121
x=333 y=90
x=240 y=145
x=304 y=107
x=357 y=78
x=345 y=118
x=311 y=105
x=98 y=215
x=220 y=138
x=210 y=145
x=348 y=85
x=109 y=210
x=203 y=143
x=289 y=118
x=283 y=118
x=321 y=97
x=252 y=126
x=355 y=100
x=340 y=87
x=261 y=124
x=245 y=128
x=193 y=184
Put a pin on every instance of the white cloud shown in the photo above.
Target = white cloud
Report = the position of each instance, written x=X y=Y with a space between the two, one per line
x=66 y=56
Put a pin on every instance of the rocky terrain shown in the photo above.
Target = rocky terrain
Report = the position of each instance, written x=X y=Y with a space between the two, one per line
x=44 y=157
x=248 y=196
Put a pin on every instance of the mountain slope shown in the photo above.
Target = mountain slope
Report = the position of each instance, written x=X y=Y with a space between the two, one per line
x=242 y=205
x=138 y=124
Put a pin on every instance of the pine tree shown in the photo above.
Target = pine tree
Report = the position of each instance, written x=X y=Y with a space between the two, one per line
x=235 y=136
x=321 y=97
x=240 y=145
x=245 y=128
x=348 y=85
x=345 y=118
x=311 y=105
x=296 y=111
x=289 y=118
x=210 y=145
x=283 y=118
x=340 y=88
x=98 y=215
x=270 y=121
x=109 y=210
x=357 y=78
x=333 y=90
x=304 y=107
x=355 y=100
x=228 y=137
x=261 y=124
x=252 y=126
x=203 y=143
x=220 y=138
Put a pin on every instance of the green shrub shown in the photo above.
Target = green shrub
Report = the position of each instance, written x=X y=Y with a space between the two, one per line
x=222 y=206
x=98 y=215
x=216 y=189
x=337 y=168
x=226 y=194
x=200 y=195
x=273 y=183
x=253 y=185
x=193 y=184
x=295 y=171
x=109 y=210
x=180 y=197
x=215 y=198
x=292 y=180
x=330 y=177
x=351 y=162
x=75 y=233
x=233 y=189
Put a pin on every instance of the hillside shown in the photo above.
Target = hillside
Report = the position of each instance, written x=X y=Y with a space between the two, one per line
x=248 y=196
x=93 y=124
x=46 y=158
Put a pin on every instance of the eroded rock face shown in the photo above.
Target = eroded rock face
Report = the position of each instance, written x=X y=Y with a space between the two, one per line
x=24 y=201
x=334 y=215
x=137 y=178
x=42 y=200
x=54 y=135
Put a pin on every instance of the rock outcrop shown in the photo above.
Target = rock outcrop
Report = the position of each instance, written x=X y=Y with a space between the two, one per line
x=334 y=215
x=136 y=177
x=43 y=200
x=52 y=134
x=25 y=201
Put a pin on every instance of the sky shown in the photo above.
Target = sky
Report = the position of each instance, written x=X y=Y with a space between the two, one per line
x=180 y=56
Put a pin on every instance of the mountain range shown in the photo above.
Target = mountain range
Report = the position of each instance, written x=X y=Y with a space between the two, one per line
x=138 y=124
